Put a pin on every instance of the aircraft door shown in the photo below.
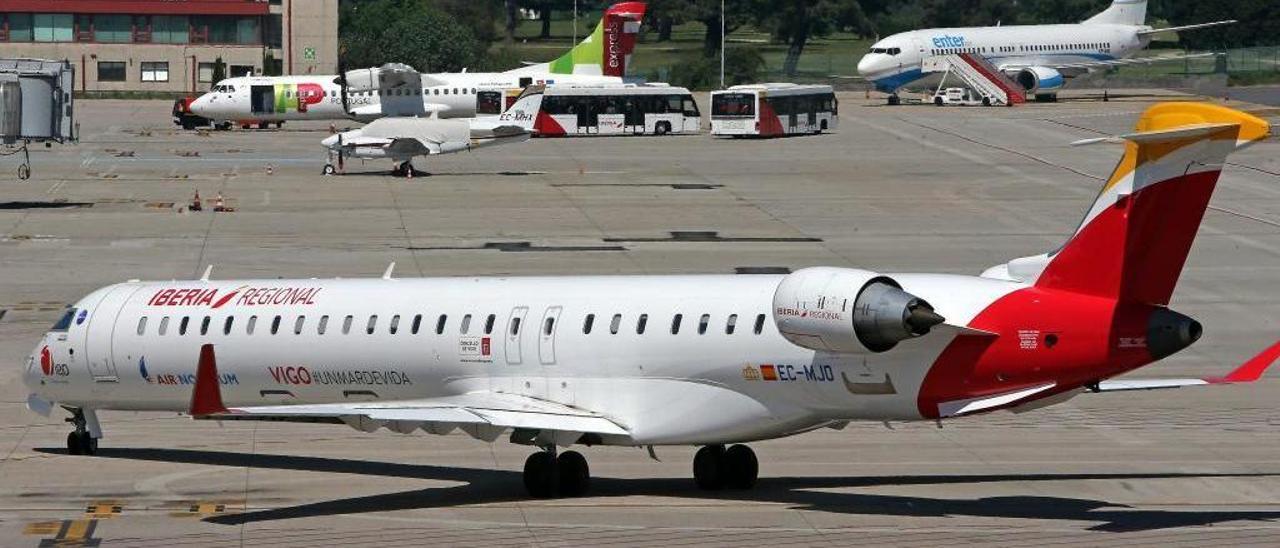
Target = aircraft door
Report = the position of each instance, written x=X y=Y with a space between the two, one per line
x=100 y=332
x=514 y=329
x=547 y=336
x=262 y=99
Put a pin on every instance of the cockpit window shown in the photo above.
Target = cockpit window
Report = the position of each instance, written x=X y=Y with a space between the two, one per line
x=887 y=51
x=65 y=321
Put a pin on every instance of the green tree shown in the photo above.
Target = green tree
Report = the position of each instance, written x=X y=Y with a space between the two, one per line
x=794 y=22
x=406 y=31
x=219 y=70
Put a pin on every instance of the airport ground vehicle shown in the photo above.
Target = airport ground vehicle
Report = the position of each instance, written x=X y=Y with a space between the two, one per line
x=183 y=116
x=554 y=362
x=773 y=110
x=649 y=109
x=959 y=96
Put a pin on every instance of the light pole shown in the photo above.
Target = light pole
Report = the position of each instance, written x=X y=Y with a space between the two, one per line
x=575 y=24
x=721 y=44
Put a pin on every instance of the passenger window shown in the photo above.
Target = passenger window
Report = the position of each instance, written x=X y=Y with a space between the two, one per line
x=417 y=322
x=703 y=322
x=182 y=325
x=641 y=323
x=346 y=324
x=395 y=324
x=226 y=325
x=759 y=324
x=465 y=325
x=731 y=325
x=248 y=326
x=275 y=325
x=548 y=326
x=675 y=323
x=164 y=325
x=488 y=324
x=515 y=325
x=615 y=324
x=323 y=325
x=372 y=325
x=204 y=325
x=297 y=324
x=440 y=324
x=142 y=325
x=586 y=323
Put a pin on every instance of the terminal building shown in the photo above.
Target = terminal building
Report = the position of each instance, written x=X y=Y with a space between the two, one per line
x=172 y=45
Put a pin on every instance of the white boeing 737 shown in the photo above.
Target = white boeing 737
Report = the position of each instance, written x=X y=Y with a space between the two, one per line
x=710 y=360
x=1037 y=57
x=601 y=58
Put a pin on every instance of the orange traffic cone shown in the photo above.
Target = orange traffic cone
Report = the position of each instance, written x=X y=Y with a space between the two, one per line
x=218 y=205
x=195 y=202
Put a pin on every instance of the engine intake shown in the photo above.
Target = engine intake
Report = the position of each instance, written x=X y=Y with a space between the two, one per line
x=848 y=310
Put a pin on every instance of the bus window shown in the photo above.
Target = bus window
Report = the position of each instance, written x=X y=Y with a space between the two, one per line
x=690 y=106
x=733 y=104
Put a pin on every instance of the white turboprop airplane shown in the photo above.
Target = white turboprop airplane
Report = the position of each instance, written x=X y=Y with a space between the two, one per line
x=601 y=58
x=1037 y=57
x=400 y=139
x=709 y=360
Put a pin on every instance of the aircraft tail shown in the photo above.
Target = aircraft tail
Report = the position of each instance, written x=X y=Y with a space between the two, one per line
x=1134 y=240
x=1121 y=12
x=604 y=52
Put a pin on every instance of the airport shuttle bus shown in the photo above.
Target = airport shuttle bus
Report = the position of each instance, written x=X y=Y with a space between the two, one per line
x=772 y=110
x=651 y=109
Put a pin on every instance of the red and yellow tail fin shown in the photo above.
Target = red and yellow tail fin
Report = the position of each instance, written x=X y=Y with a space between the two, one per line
x=1135 y=238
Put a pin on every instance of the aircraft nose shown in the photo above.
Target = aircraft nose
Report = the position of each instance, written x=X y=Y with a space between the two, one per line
x=32 y=372
x=866 y=65
x=200 y=106
x=330 y=142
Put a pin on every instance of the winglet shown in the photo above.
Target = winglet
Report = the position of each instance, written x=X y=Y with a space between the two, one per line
x=1251 y=370
x=206 y=396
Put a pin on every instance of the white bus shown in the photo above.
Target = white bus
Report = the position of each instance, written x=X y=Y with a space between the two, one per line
x=770 y=110
x=649 y=109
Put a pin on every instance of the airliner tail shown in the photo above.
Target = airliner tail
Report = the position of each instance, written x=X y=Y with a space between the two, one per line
x=1121 y=12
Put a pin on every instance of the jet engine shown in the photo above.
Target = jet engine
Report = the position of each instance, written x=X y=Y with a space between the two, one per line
x=848 y=310
x=1041 y=80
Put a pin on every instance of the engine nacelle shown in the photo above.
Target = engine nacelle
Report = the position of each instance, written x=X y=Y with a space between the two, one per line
x=848 y=310
x=1040 y=79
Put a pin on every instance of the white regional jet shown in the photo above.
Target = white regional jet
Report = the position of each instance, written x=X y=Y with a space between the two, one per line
x=400 y=139
x=710 y=360
x=1038 y=57
x=601 y=58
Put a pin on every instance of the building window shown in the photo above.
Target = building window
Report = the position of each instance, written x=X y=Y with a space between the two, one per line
x=241 y=70
x=19 y=27
x=157 y=71
x=204 y=74
x=115 y=29
x=110 y=71
x=170 y=29
x=53 y=27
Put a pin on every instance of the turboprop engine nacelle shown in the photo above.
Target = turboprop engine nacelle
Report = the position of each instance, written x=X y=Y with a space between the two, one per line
x=848 y=310
x=1040 y=79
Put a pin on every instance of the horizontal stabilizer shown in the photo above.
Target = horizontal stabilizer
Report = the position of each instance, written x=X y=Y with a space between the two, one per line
x=1249 y=371
x=1186 y=27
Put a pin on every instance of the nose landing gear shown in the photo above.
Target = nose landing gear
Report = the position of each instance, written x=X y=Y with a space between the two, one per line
x=81 y=441
x=547 y=475
x=715 y=467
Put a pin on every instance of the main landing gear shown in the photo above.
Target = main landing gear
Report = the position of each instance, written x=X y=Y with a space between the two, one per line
x=715 y=467
x=80 y=442
x=404 y=169
x=547 y=474
x=894 y=100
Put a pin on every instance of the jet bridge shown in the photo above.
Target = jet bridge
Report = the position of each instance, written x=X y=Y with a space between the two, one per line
x=977 y=73
x=35 y=105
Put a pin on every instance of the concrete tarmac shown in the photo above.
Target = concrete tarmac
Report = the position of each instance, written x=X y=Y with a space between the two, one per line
x=911 y=188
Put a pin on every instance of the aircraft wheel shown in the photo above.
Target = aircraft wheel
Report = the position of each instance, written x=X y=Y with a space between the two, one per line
x=740 y=467
x=575 y=475
x=986 y=101
x=24 y=172
x=329 y=170
x=408 y=170
x=73 y=444
x=263 y=125
x=708 y=467
x=540 y=475
x=894 y=100
x=81 y=443
x=937 y=101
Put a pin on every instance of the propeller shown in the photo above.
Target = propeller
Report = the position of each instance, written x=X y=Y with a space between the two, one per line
x=341 y=80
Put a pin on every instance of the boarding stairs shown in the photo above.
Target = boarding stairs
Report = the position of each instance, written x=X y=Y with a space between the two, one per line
x=977 y=73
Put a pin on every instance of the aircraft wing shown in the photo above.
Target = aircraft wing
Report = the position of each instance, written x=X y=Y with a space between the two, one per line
x=483 y=415
x=1249 y=371
x=1014 y=67
x=410 y=146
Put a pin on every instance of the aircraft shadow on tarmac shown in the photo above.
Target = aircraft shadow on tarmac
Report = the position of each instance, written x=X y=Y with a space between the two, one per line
x=494 y=486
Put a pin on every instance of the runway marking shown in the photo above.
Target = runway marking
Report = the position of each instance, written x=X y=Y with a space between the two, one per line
x=104 y=509
x=68 y=532
x=203 y=509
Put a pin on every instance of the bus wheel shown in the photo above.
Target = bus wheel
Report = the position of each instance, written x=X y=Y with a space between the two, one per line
x=822 y=126
x=279 y=125
x=263 y=125
x=662 y=128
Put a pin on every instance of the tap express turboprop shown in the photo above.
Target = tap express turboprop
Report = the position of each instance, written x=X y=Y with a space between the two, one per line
x=601 y=58
x=400 y=139
x=1038 y=57
x=709 y=360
